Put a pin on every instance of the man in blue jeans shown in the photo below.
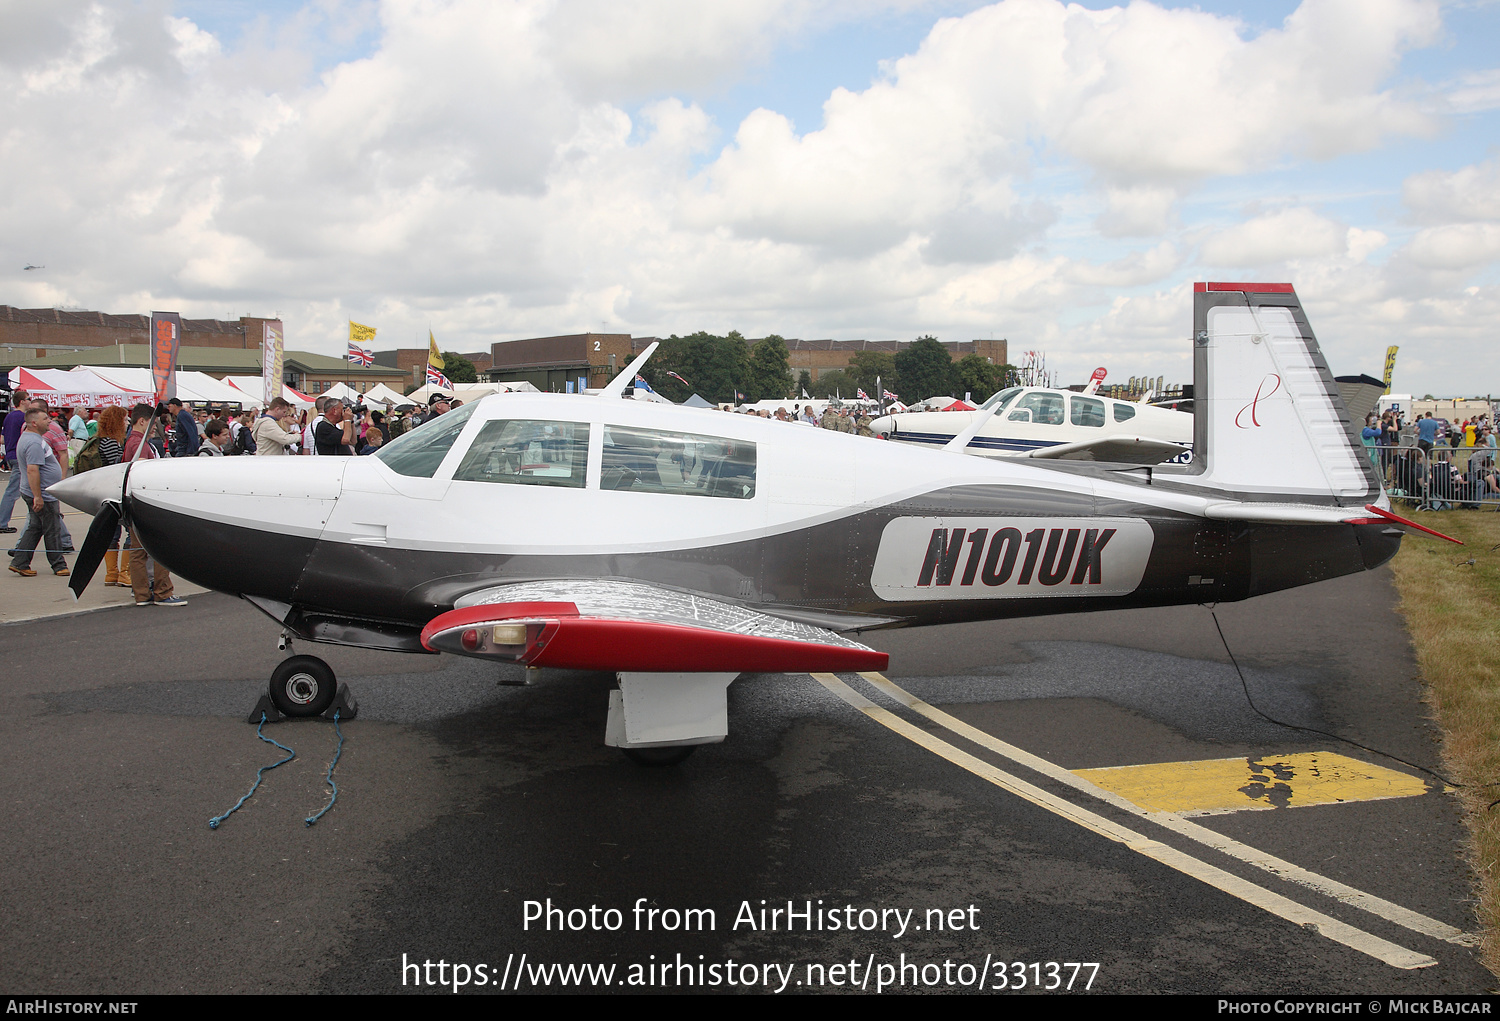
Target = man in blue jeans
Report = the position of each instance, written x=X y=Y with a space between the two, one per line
x=38 y=468
x=1427 y=429
x=15 y=422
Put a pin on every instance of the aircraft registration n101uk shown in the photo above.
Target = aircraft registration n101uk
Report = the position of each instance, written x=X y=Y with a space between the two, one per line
x=680 y=547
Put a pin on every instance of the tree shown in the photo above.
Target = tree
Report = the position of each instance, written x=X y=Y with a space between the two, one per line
x=804 y=382
x=459 y=369
x=768 y=377
x=976 y=376
x=926 y=370
x=834 y=382
x=715 y=367
x=865 y=367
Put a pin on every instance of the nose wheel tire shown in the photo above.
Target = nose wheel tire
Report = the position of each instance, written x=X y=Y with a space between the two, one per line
x=668 y=756
x=303 y=686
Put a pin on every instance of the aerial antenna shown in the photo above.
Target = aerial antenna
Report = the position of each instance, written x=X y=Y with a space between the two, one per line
x=616 y=386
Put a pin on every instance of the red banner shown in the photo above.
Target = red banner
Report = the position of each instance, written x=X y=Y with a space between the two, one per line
x=166 y=338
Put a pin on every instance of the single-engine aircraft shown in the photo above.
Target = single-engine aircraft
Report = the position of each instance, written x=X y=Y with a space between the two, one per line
x=679 y=547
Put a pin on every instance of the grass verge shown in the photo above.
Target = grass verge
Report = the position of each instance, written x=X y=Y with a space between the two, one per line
x=1453 y=616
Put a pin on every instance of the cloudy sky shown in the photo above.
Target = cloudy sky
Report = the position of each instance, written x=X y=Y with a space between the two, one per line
x=1057 y=175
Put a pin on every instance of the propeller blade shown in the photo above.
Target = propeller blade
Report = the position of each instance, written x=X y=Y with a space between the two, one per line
x=95 y=545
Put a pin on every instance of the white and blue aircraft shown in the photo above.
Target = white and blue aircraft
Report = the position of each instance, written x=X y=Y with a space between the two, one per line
x=1041 y=422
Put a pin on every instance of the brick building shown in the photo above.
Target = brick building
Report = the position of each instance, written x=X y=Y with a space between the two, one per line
x=567 y=363
x=820 y=356
x=412 y=361
x=38 y=332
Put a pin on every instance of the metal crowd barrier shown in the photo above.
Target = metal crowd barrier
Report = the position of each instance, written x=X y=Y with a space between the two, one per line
x=1443 y=478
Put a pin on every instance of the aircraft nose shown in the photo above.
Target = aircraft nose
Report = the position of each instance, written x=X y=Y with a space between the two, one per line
x=882 y=425
x=89 y=491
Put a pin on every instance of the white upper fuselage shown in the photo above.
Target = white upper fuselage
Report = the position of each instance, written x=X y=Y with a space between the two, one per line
x=801 y=477
x=1033 y=418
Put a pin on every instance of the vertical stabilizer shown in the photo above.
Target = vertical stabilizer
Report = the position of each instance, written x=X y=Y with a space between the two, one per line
x=1270 y=420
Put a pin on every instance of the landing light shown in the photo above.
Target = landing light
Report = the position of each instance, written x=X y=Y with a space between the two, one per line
x=507 y=634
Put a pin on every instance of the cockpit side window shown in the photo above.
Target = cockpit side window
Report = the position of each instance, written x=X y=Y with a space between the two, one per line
x=1088 y=411
x=527 y=453
x=1046 y=408
x=419 y=452
x=653 y=461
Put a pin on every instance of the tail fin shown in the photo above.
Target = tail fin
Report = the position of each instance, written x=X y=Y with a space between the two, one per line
x=1269 y=418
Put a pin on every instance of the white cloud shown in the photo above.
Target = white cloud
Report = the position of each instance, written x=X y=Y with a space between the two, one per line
x=1476 y=93
x=1275 y=237
x=1471 y=193
x=1458 y=246
x=1137 y=212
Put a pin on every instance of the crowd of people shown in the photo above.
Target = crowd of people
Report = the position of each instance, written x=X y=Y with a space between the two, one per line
x=43 y=446
x=844 y=420
x=1436 y=463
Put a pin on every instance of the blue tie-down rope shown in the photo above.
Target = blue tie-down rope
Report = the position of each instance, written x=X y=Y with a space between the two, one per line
x=337 y=752
x=213 y=823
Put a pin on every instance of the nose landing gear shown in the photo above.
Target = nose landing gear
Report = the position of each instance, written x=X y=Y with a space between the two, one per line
x=304 y=686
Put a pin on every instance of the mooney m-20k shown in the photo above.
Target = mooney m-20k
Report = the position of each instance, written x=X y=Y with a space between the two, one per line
x=679 y=548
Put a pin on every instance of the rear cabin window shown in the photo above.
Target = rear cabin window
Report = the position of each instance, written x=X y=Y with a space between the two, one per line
x=520 y=452
x=1045 y=408
x=653 y=461
x=1124 y=412
x=1088 y=411
x=419 y=452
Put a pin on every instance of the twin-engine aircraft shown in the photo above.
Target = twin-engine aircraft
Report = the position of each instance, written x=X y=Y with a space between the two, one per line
x=1043 y=422
x=678 y=548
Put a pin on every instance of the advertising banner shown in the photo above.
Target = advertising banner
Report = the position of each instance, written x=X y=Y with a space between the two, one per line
x=271 y=360
x=1390 y=365
x=166 y=338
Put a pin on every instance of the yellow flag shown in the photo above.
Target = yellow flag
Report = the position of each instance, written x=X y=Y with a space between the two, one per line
x=433 y=357
x=1390 y=365
x=360 y=333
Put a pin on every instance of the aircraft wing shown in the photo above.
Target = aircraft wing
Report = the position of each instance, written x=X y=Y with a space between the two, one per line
x=1116 y=449
x=629 y=626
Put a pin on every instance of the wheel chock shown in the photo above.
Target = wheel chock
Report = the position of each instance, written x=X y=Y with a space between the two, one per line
x=265 y=708
x=343 y=704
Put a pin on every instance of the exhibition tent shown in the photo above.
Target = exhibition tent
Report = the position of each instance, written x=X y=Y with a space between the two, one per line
x=192 y=387
x=468 y=391
x=252 y=385
x=72 y=388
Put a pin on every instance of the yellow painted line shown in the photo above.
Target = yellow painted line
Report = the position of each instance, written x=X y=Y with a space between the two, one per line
x=1378 y=906
x=1283 y=907
x=1293 y=780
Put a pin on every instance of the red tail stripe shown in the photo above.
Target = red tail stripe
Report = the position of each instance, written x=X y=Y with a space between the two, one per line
x=1387 y=515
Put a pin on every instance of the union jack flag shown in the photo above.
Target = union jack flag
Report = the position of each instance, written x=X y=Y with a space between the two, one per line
x=861 y=395
x=435 y=377
x=360 y=355
x=889 y=396
x=641 y=384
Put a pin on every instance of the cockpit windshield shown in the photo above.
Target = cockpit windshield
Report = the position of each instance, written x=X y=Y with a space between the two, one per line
x=1001 y=399
x=419 y=452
